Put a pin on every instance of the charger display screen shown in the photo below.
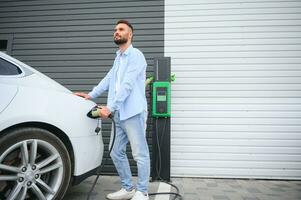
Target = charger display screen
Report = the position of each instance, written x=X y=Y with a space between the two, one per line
x=161 y=96
x=161 y=99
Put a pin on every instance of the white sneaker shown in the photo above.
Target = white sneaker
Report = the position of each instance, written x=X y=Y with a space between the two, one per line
x=140 y=196
x=121 y=194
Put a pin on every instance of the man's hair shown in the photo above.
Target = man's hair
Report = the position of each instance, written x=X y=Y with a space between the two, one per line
x=123 y=21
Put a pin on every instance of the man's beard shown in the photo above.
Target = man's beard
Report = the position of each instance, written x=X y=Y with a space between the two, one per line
x=120 y=41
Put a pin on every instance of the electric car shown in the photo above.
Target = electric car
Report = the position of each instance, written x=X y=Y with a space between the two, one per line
x=47 y=141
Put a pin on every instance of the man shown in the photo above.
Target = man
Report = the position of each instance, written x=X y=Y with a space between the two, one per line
x=125 y=83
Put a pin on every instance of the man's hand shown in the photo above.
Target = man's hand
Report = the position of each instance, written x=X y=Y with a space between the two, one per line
x=82 y=94
x=104 y=112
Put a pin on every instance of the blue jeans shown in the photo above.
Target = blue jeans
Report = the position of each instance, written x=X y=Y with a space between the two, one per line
x=131 y=130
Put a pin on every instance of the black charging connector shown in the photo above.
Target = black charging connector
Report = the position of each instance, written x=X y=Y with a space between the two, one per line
x=97 y=129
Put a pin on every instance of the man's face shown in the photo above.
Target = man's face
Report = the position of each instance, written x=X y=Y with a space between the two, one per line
x=122 y=33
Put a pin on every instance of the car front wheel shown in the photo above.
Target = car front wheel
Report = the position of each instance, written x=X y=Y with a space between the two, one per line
x=34 y=164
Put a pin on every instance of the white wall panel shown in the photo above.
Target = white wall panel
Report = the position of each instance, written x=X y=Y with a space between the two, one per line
x=236 y=101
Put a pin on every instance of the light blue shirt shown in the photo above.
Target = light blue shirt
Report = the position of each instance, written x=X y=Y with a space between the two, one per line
x=129 y=99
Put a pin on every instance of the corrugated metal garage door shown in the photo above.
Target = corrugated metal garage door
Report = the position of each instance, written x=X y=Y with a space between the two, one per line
x=71 y=40
x=236 y=102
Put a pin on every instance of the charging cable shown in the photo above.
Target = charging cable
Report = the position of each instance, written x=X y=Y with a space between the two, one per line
x=94 y=113
x=158 y=166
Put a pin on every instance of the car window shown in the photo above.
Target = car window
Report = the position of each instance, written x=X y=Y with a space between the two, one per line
x=7 y=68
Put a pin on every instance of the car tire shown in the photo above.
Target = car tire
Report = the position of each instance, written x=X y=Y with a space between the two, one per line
x=34 y=164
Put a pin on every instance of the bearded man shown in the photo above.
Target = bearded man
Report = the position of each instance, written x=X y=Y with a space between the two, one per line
x=125 y=83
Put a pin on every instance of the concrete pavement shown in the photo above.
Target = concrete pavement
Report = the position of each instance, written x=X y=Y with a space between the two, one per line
x=199 y=189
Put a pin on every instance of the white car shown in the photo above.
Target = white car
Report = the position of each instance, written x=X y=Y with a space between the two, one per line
x=47 y=142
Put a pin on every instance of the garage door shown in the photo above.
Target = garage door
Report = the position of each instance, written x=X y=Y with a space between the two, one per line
x=236 y=102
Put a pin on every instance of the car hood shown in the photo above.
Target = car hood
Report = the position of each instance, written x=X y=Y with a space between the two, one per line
x=38 y=80
x=30 y=77
x=35 y=80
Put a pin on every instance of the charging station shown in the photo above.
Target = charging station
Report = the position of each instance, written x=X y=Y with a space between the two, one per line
x=161 y=112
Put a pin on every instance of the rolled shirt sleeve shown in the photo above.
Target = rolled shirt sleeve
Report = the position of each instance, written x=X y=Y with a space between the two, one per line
x=102 y=86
